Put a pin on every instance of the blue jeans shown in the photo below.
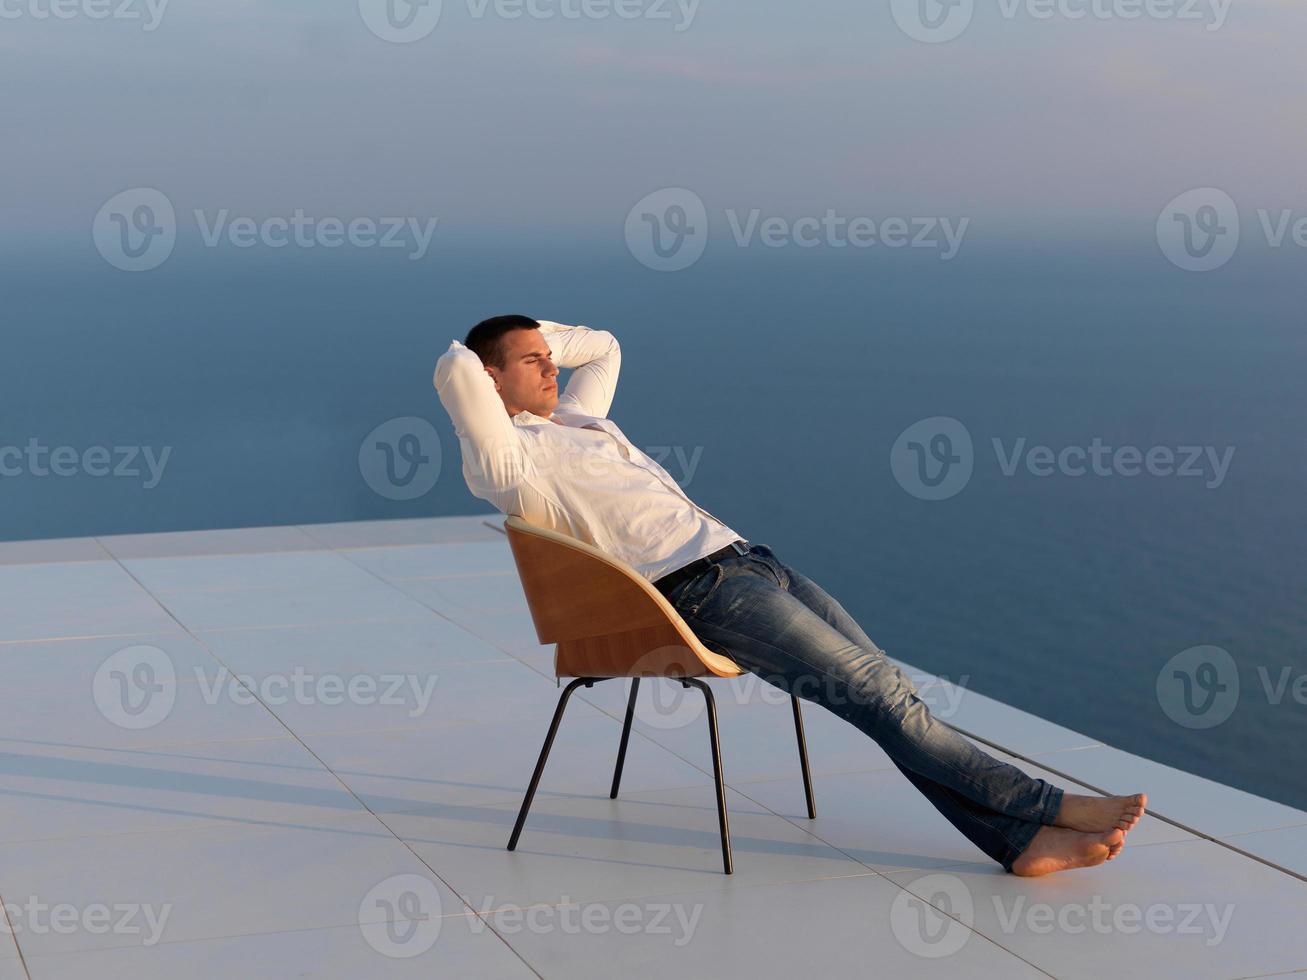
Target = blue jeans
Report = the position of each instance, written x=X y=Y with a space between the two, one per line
x=782 y=626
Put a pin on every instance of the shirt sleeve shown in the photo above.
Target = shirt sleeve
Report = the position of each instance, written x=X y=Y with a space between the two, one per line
x=596 y=359
x=494 y=458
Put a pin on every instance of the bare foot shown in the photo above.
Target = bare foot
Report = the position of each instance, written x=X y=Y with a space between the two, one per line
x=1097 y=813
x=1059 y=849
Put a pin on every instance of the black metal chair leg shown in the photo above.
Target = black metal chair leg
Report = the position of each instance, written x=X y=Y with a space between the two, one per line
x=626 y=737
x=803 y=758
x=544 y=755
x=727 y=863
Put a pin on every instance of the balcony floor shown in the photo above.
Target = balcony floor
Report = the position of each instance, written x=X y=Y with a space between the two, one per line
x=315 y=833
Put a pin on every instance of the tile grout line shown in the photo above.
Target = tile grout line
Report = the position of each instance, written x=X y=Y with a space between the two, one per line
x=9 y=926
x=334 y=774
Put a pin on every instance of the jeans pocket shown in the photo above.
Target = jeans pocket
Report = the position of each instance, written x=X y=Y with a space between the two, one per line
x=766 y=560
x=689 y=597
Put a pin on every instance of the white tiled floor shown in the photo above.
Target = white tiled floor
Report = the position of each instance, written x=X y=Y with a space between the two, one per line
x=291 y=835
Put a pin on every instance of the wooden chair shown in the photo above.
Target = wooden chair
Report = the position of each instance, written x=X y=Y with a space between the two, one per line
x=608 y=621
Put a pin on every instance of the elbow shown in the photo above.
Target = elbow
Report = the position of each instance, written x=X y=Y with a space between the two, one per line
x=613 y=352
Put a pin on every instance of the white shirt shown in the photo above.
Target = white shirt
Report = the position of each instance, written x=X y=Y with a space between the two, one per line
x=575 y=472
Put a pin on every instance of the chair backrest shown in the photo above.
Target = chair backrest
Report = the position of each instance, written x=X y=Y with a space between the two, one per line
x=605 y=618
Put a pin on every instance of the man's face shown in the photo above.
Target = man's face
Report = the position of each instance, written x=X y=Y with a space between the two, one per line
x=528 y=380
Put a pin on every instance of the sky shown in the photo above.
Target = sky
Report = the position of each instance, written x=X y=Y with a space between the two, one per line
x=1029 y=123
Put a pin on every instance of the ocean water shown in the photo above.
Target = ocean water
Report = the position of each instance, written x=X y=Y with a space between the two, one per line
x=774 y=385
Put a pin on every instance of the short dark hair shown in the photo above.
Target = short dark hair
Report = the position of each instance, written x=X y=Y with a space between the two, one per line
x=485 y=338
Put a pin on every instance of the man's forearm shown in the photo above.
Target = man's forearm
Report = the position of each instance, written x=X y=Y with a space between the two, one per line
x=576 y=346
x=596 y=358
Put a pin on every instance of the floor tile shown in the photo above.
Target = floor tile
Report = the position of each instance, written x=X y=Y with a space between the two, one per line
x=381 y=646
x=439 y=697
x=421 y=530
x=50 y=791
x=464 y=558
x=462 y=946
x=213 y=883
x=287 y=569
x=223 y=541
x=1286 y=847
x=63 y=599
x=51 y=550
x=291 y=606
x=133 y=693
x=507 y=629
x=475 y=596
x=69 y=667
x=747 y=932
x=1196 y=907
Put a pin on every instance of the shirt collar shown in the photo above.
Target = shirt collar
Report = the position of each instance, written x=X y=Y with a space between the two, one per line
x=525 y=418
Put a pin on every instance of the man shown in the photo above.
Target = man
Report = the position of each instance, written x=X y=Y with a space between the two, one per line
x=558 y=462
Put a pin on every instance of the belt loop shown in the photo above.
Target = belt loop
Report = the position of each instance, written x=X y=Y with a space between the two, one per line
x=740 y=548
